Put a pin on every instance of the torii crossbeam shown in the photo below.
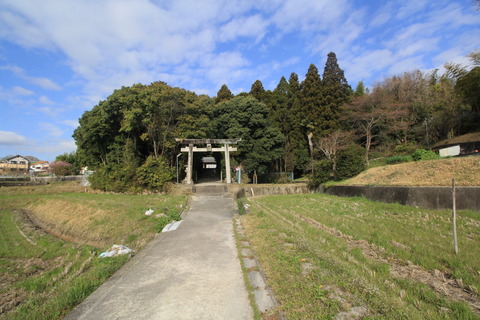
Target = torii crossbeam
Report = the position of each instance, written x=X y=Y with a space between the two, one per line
x=208 y=148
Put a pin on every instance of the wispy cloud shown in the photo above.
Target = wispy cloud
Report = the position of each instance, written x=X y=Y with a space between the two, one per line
x=51 y=129
x=38 y=81
x=12 y=139
x=19 y=91
x=70 y=123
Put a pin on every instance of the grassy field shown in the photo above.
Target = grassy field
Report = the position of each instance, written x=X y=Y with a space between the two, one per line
x=44 y=277
x=326 y=257
x=423 y=173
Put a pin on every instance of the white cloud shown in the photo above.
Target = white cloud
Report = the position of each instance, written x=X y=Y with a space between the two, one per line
x=51 y=148
x=45 y=100
x=19 y=91
x=49 y=111
x=253 y=26
x=71 y=123
x=51 y=129
x=57 y=147
x=12 y=138
x=38 y=81
x=307 y=15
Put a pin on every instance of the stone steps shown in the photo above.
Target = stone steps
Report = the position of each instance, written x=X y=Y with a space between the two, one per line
x=216 y=189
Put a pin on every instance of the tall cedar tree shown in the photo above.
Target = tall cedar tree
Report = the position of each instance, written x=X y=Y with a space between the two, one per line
x=258 y=91
x=224 y=94
x=335 y=92
x=311 y=115
x=298 y=138
x=283 y=119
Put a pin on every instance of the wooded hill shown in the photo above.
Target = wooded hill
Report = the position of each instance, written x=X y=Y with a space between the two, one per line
x=319 y=122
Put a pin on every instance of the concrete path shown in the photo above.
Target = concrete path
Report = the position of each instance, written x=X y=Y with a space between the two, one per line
x=191 y=273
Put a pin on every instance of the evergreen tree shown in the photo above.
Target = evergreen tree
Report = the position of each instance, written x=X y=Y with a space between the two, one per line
x=335 y=92
x=258 y=91
x=283 y=119
x=298 y=138
x=360 y=89
x=246 y=118
x=223 y=94
x=310 y=104
x=311 y=114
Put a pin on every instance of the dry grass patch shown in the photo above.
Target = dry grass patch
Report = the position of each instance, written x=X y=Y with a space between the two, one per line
x=43 y=277
x=466 y=171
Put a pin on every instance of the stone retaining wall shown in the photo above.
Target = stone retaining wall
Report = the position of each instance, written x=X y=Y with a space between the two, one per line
x=426 y=197
x=21 y=184
x=258 y=190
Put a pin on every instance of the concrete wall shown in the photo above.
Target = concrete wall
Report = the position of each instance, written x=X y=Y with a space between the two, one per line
x=426 y=197
x=21 y=184
x=54 y=178
x=261 y=190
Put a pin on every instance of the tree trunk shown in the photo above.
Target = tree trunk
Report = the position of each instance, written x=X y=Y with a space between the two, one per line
x=310 y=144
x=368 y=143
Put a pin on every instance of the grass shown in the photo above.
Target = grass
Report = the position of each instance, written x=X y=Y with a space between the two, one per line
x=43 y=277
x=422 y=173
x=326 y=257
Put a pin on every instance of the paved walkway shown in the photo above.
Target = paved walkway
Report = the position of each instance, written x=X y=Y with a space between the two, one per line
x=190 y=273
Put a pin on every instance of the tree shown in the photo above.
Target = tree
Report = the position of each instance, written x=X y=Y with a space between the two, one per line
x=298 y=138
x=154 y=174
x=60 y=168
x=360 y=89
x=246 y=118
x=258 y=91
x=330 y=146
x=282 y=118
x=310 y=107
x=335 y=92
x=367 y=113
x=468 y=86
x=134 y=123
x=223 y=94
x=71 y=158
x=349 y=162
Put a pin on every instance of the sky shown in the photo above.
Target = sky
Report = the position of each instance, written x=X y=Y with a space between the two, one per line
x=60 y=58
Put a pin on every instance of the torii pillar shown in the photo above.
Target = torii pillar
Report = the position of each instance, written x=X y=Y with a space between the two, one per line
x=190 y=163
x=191 y=149
x=227 y=163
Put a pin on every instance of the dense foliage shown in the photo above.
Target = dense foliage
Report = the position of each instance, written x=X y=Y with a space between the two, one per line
x=304 y=127
x=60 y=168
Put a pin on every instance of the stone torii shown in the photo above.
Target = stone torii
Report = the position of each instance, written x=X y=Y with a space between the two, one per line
x=208 y=142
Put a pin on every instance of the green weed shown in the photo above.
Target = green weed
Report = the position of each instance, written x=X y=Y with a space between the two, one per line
x=329 y=255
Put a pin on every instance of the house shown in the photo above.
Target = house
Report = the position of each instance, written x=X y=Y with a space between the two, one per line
x=14 y=165
x=464 y=145
x=40 y=167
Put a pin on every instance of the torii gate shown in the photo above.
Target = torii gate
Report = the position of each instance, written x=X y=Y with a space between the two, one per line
x=208 y=142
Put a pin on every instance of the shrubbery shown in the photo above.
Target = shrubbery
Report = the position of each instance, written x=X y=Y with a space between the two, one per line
x=422 y=154
x=405 y=148
x=350 y=162
x=61 y=168
x=152 y=175
x=322 y=173
x=417 y=155
x=398 y=159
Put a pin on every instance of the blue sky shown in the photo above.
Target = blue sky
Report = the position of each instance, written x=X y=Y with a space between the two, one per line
x=59 y=58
